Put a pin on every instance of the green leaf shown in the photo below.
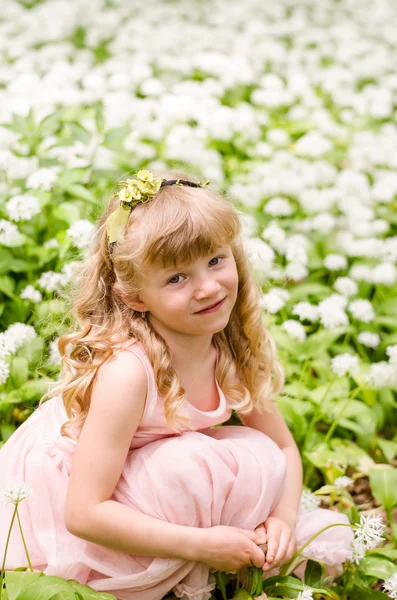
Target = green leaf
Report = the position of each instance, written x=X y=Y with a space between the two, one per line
x=6 y=431
x=313 y=573
x=373 y=566
x=17 y=581
x=7 y=285
x=67 y=211
x=242 y=595
x=388 y=447
x=45 y=588
x=78 y=191
x=88 y=593
x=383 y=480
x=19 y=371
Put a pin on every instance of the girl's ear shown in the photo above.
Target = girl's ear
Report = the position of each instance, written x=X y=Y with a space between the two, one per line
x=134 y=303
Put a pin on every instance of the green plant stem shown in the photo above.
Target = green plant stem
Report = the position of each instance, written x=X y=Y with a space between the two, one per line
x=2 y=575
x=286 y=567
x=335 y=422
x=23 y=540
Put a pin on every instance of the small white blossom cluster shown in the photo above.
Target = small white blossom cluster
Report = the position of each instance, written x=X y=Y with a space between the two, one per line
x=306 y=593
x=309 y=501
x=81 y=233
x=9 y=233
x=367 y=338
x=274 y=300
x=335 y=262
x=390 y=586
x=11 y=340
x=278 y=207
x=50 y=281
x=344 y=364
x=43 y=178
x=362 y=310
x=23 y=207
x=306 y=311
x=54 y=356
x=332 y=312
x=345 y=286
x=294 y=329
x=367 y=535
x=384 y=374
x=30 y=293
x=343 y=482
x=16 y=493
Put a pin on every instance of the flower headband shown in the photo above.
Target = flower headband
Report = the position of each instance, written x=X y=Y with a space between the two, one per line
x=139 y=189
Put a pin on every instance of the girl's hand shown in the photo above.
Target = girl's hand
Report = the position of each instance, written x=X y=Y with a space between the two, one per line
x=281 y=541
x=226 y=548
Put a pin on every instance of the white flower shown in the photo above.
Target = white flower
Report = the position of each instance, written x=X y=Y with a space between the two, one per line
x=81 y=233
x=391 y=352
x=368 y=534
x=51 y=243
x=332 y=313
x=18 y=334
x=30 y=293
x=278 y=207
x=274 y=300
x=295 y=329
x=345 y=286
x=296 y=271
x=306 y=311
x=384 y=273
x=309 y=501
x=362 y=310
x=361 y=273
x=335 y=262
x=23 y=207
x=382 y=374
x=305 y=594
x=16 y=493
x=390 y=586
x=343 y=482
x=51 y=281
x=43 y=178
x=9 y=233
x=275 y=235
x=367 y=338
x=4 y=371
x=261 y=254
x=344 y=364
x=313 y=144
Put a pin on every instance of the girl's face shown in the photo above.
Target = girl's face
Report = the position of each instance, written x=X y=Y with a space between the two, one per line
x=174 y=296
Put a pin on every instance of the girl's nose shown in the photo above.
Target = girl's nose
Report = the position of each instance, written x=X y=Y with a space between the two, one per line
x=208 y=288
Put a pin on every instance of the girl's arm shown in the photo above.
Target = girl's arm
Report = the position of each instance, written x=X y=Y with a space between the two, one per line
x=275 y=427
x=117 y=404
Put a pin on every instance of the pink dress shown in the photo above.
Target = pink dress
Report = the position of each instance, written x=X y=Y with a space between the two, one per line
x=206 y=476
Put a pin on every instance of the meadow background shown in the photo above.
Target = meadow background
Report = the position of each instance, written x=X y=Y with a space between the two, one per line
x=288 y=107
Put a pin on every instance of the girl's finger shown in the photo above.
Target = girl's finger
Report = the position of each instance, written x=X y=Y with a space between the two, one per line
x=291 y=550
x=282 y=547
x=273 y=539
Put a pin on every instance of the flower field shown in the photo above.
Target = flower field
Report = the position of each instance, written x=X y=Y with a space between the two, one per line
x=290 y=108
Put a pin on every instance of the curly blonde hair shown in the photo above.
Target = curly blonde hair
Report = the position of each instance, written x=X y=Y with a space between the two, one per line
x=182 y=222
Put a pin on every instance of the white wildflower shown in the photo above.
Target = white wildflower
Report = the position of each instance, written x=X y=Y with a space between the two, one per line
x=361 y=273
x=30 y=293
x=367 y=338
x=260 y=253
x=391 y=352
x=309 y=501
x=278 y=207
x=306 y=311
x=23 y=207
x=275 y=235
x=43 y=178
x=16 y=493
x=51 y=243
x=332 y=313
x=335 y=262
x=313 y=144
x=390 y=586
x=19 y=334
x=296 y=271
x=274 y=300
x=295 y=329
x=362 y=310
x=51 y=281
x=343 y=482
x=81 y=233
x=4 y=371
x=382 y=374
x=305 y=594
x=9 y=233
x=344 y=364
x=345 y=286
x=369 y=531
x=385 y=273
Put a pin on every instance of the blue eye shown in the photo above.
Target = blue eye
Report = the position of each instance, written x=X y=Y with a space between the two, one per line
x=215 y=258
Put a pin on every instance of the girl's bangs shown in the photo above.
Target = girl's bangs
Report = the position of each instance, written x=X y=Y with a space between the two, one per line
x=192 y=239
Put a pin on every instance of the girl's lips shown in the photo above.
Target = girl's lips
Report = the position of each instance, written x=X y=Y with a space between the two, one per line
x=211 y=309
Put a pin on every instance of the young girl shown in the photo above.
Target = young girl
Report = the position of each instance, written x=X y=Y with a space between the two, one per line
x=136 y=492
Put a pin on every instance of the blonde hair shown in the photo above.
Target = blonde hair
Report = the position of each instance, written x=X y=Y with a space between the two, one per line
x=182 y=222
